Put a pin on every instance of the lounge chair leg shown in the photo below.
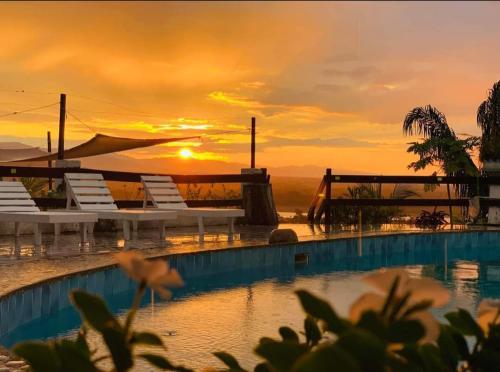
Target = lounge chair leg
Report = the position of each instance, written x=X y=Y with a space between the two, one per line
x=201 y=229
x=57 y=229
x=90 y=228
x=231 y=229
x=17 y=228
x=38 y=234
x=126 y=230
x=83 y=233
x=135 y=226
x=162 y=230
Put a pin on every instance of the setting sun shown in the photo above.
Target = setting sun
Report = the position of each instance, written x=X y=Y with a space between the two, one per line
x=185 y=153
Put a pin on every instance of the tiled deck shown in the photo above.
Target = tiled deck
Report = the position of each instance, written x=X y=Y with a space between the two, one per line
x=22 y=264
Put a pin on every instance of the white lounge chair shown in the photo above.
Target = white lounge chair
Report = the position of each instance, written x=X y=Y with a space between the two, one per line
x=91 y=194
x=17 y=206
x=165 y=195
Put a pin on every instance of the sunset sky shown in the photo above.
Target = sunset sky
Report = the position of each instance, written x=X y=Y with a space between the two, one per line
x=329 y=83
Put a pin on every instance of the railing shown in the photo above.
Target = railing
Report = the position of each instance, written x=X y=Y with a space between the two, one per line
x=54 y=173
x=323 y=199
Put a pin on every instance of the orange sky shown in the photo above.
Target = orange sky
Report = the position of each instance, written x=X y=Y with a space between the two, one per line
x=329 y=83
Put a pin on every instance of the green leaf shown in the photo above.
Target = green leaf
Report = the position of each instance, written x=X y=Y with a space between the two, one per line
x=431 y=358
x=390 y=296
x=313 y=334
x=115 y=339
x=488 y=360
x=366 y=348
x=405 y=331
x=147 y=338
x=281 y=355
x=321 y=309
x=162 y=363
x=395 y=363
x=419 y=306
x=448 y=347
x=40 y=356
x=94 y=310
x=262 y=367
x=228 y=360
x=465 y=323
x=72 y=358
x=371 y=322
x=327 y=358
x=289 y=334
x=81 y=342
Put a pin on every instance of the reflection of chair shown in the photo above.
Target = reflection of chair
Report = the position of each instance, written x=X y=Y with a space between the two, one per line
x=17 y=206
x=91 y=194
x=165 y=195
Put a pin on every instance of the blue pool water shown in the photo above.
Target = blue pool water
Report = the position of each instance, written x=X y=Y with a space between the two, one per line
x=234 y=297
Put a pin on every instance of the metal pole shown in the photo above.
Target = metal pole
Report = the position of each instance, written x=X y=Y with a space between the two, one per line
x=49 y=150
x=62 y=123
x=252 y=146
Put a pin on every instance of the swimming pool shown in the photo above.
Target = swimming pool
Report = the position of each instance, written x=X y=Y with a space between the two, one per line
x=234 y=297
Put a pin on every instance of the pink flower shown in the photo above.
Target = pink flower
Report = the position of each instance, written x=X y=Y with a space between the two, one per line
x=155 y=273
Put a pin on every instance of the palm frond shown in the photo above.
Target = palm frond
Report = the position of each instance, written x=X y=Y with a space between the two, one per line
x=427 y=121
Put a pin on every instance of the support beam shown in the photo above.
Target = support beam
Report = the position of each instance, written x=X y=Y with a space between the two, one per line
x=49 y=150
x=62 y=124
x=328 y=196
x=252 y=145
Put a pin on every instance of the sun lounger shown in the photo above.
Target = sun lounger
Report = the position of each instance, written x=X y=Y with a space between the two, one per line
x=91 y=194
x=164 y=194
x=17 y=206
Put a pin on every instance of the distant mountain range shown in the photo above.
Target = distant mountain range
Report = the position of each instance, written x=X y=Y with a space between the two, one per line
x=193 y=166
x=181 y=166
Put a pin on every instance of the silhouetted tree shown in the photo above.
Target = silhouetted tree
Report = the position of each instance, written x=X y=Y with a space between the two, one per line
x=488 y=119
x=440 y=146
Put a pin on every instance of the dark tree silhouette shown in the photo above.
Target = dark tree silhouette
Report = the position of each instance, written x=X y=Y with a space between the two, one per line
x=488 y=119
x=441 y=146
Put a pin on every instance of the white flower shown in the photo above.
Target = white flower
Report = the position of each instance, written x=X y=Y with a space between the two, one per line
x=488 y=313
x=421 y=289
x=424 y=289
x=156 y=273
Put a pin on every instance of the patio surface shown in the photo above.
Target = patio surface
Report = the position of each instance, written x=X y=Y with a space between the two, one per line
x=22 y=264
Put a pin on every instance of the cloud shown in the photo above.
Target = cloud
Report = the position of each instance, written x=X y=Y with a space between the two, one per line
x=316 y=75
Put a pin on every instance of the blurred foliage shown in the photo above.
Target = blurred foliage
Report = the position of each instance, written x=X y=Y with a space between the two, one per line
x=370 y=215
x=390 y=329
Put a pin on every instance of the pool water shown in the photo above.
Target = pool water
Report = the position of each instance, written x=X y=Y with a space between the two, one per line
x=232 y=298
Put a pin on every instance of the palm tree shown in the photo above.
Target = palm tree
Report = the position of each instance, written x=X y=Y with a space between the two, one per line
x=488 y=119
x=440 y=146
x=35 y=186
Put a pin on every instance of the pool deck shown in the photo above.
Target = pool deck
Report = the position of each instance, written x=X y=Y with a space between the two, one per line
x=21 y=264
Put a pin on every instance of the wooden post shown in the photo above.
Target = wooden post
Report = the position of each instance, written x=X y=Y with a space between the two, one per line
x=328 y=197
x=450 y=207
x=62 y=123
x=252 y=145
x=49 y=150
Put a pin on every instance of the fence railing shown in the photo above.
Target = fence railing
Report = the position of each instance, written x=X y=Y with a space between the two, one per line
x=324 y=199
x=58 y=173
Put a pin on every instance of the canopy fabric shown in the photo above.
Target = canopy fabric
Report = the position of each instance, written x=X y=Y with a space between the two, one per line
x=7 y=155
x=101 y=144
